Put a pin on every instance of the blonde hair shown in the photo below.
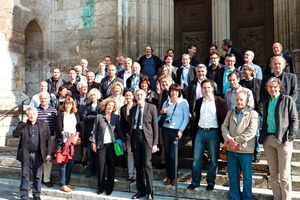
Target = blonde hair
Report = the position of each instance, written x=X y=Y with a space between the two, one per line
x=108 y=100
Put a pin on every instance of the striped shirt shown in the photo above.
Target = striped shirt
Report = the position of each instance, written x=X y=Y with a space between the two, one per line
x=48 y=115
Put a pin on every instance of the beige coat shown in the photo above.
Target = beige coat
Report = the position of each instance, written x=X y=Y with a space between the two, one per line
x=243 y=132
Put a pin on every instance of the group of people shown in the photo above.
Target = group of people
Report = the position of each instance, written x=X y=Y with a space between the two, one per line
x=226 y=100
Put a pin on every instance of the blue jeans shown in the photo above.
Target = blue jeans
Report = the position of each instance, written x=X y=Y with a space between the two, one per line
x=65 y=172
x=209 y=139
x=169 y=136
x=235 y=161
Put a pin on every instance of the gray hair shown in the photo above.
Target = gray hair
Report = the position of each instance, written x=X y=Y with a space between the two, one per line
x=80 y=84
x=31 y=109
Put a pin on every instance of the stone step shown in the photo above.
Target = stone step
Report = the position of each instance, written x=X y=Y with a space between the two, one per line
x=260 y=180
x=86 y=187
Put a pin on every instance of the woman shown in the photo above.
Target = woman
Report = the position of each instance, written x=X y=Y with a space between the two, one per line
x=176 y=110
x=280 y=127
x=117 y=89
x=60 y=98
x=68 y=125
x=151 y=96
x=171 y=71
x=125 y=117
x=92 y=109
x=106 y=130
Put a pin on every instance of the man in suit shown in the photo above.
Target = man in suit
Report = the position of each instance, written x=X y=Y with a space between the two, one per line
x=35 y=148
x=90 y=78
x=101 y=73
x=227 y=46
x=215 y=60
x=289 y=80
x=126 y=72
x=144 y=139
x=185 y=74
x=278 y=51
x=108 y=81
x=134 y=80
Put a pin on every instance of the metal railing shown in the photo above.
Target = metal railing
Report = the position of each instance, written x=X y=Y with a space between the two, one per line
x=20 y=105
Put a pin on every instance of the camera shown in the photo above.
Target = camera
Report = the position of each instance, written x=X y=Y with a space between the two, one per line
x=168 y=121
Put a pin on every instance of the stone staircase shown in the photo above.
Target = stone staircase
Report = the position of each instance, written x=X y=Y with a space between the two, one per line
x=10 y=170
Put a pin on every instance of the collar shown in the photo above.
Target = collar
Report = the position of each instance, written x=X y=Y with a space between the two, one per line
x=275 y=98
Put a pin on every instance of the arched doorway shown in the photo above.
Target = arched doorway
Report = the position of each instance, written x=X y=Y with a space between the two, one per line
x=34 y=57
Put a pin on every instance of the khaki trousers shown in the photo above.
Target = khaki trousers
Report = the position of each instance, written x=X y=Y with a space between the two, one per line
x=279 y=162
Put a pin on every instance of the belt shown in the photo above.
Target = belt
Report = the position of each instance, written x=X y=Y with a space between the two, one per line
x=207 y=129
x=270 y=133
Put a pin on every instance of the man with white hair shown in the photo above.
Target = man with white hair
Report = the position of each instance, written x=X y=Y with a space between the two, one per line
x=79 y=76
x=84 y=64
x=35 y=100
x=48 y=114
x=248 y=58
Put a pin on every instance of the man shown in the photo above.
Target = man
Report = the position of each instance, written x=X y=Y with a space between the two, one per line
x=227 y=46
x=35 y=148
x=278 y=51
x=253 y=84
x=289 y=81
x=107 y=60
x=71 y=84
x=90 y=78
x=185 y=74
x=248 y=58
x=144 y=137
x=280 y=127
x=81 y=97
x=191 y=50
x=238 y=130
x=212 y=49
x=210 y=114
x=150 y=64
x=215 y=65
x=221 y=76
x=47 y=114
x=134 y=80
x=126 y=72
x=54 y=82
x=79 y=76
x=121 y=63
x=84 y=64
x=101 y=73
x=107 y=82
x=35 y=100
x=235 y=87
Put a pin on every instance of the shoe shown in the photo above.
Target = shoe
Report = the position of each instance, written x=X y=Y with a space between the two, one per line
x=256 y=159
x=150 y=196
x=129 y=178
x=65 y=188
x=173 y=182
x=192 y=187
x=99 y=191
x=139 y=195
x=37 y=198
x=90 y=174
x=167 y=181
x=48 y=184
x=209 y=187
x=133 y=178
x=71 y=187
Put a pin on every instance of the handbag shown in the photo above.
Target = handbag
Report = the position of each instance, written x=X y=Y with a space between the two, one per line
x=119 y=148
x=161 y=120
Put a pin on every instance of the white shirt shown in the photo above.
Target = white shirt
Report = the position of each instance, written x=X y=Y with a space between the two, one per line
x=208 y=114
x=137 y=115
x=107 y=137
x=125 y=77
x=185 y=76
x=99 y=77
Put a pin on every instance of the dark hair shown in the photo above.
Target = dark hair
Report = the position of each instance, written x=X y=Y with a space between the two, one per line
x=128 y=90
x=170 y=50
x=72 y=69
x=61 y=89
x=150 y=47
x=217 y=53
x=175 y=87
x=230 y=55
x=227 y=42
x=237 y=74
x=145 y=79
x=168 y=56
x=208 y=81
x=214 y=45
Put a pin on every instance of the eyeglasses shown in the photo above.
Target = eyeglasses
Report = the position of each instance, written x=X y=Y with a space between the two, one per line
x=212 y=58
x=229 y=60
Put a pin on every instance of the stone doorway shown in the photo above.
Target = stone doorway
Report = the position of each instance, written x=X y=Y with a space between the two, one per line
x=34 y=57
x=252 y=27
x=193 y=25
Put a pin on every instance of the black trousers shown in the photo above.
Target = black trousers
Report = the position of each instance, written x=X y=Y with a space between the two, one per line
x=142 y=154
x=106 y=157
x=34 y=163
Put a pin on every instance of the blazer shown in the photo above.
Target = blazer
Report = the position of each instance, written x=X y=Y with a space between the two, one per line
x=286 y=119
x=45 y=144
x=106 y=87
x=191 y=74
x=100 y=125
x=128 y=81
x=60 y=124
x=243 y=131
x=94 y=85
x=88 y=117
x=221 y=110
x=150 y=125
x=289 y=83
x=255 y=90
x=239 y=56
x=60 y=82
x=218 y=78
x=125 y=120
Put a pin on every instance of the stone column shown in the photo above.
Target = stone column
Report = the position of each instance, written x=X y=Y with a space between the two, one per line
x=286 y=23
x=220 y=20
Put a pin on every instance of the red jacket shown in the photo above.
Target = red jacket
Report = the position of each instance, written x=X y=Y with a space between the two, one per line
x=67 y=151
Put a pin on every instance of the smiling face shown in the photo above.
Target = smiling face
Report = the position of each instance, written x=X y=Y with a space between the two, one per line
x=32 y=115
x=277 y=49
x=129 y=96
x=273 y=88
x=234 y=81
x=241 y=100
x=278 y=65
x=201 y=73
x=109 y=107
x=207 y=90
